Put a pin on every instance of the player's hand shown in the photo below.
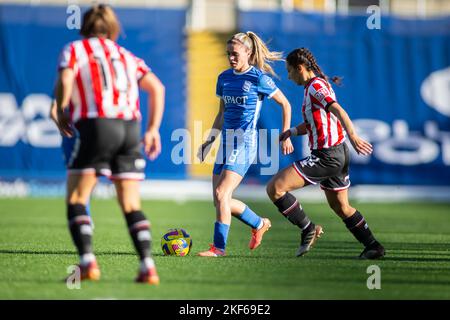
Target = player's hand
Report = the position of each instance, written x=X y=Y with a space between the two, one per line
x=286 y=146
x=204 y=149
x=361 y=146
x=285 y=135
x=152 y=144
x=62 y=120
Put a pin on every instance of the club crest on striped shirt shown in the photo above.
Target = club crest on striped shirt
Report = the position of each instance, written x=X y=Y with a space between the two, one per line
x=321 y=93
x=246 y=86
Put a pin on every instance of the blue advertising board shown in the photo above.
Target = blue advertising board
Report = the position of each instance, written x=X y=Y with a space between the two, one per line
x=31 y=38
x=396 y=88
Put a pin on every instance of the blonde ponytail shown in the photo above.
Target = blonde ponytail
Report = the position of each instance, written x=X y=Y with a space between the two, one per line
x=260 y=56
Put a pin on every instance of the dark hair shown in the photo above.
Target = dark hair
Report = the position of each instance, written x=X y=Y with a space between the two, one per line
x=100 y=20
x=302 y=56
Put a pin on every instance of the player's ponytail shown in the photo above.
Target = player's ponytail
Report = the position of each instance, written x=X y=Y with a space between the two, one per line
x=260 y=56
x=100 y=21
x=302 y=56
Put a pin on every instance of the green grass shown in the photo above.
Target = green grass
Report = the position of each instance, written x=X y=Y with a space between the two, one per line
x=35 y=251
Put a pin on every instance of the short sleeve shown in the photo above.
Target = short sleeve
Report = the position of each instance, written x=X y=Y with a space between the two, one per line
x=266 y=86
x=67 y=58
x=142 y=68
x=219 y=87
x=321 y=94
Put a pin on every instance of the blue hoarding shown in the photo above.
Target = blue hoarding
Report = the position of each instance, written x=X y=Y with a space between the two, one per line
x=396 y=88
x=31 y=38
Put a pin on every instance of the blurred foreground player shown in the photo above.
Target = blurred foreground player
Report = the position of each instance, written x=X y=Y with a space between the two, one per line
x=99 y=85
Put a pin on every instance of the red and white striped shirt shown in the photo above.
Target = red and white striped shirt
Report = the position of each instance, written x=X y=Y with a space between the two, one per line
x=106 y=79
x=324 y=128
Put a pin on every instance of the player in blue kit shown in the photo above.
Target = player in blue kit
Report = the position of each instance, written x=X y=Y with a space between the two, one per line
x=241 y=90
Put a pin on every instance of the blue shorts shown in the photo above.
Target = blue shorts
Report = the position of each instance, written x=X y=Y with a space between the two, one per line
x=236 y=156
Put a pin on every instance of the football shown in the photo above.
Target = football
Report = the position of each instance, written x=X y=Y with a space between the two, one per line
x=176 y=242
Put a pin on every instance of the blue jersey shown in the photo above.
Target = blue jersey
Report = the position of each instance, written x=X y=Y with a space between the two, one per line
x=243 y=94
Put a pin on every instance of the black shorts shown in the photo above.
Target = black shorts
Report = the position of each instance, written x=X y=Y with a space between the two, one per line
x=108 y=147
x=329 y=167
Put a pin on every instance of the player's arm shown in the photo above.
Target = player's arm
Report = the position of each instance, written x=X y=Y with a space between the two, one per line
x=280 y=98
x=53 y=112
x=156 y=99
x=213 y=134
x=360 y=145
x=63 y=92
x=54 y=115
x=299 y=130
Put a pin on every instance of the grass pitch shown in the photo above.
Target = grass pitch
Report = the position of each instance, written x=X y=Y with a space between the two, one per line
x=36 y=250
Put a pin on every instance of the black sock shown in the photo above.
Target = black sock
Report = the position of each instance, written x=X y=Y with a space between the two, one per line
x=80 y=228
x=291 y=209
x=139 y=229
x=357 y=225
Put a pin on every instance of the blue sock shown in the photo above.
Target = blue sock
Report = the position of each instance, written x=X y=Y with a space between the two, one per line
x=221 y=234
x=88 y=211
x=250 y=218
x=88 y=208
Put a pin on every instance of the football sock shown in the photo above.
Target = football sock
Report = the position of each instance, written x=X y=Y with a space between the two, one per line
x=87 y=258
x=250 y=218
x=80 y=228
x=260 y=225
x=139 y=229
x=357 y=225
x=293 y=211
x=221 y=235
x=147 y=263
x=88 y=209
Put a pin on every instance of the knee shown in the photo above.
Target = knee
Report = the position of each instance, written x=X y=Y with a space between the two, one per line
x=275 y=190
x=221 y=194
x=270 y=189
